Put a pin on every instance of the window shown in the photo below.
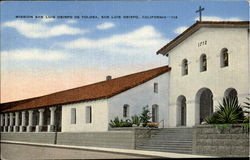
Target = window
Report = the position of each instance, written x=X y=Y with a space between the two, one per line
x=155 y=113
x=224 y=58
x=184 y=67
x=203 y=63
x=73 y=116
x=88 y=114
x=155 y=87
x=125 y=110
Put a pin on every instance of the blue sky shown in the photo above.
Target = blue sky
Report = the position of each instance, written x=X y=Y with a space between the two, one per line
x=65 y=48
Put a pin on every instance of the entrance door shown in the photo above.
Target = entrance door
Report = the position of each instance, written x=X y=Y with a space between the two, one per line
x=183 y=112
x=206 y=104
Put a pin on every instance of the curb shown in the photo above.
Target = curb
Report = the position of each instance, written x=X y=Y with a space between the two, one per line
x=153 y=154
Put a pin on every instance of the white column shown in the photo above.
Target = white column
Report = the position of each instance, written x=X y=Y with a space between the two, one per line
x=39 y=126
x=1 y=124
x=23 y=121
x=30 y=120
x=52 y=119
x=16 y=122
x=6 y=122
x=11 y=122
x=23 y=118
x=52 y=115
x=41 y=116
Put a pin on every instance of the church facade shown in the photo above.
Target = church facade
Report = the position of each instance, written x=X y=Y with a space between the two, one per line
x=208 y=61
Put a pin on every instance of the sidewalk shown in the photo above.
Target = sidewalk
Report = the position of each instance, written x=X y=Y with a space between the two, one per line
x=114 y=150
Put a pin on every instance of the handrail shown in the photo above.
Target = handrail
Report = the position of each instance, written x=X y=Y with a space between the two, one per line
x=162 y=123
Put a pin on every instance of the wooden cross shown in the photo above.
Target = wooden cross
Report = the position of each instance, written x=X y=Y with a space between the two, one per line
x=200 y=10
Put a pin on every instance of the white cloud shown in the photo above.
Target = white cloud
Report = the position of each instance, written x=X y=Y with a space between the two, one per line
x=181 y=29
x=145 y=40
x=214 y=18
x=105 y=25
x=34 y=54
x=71 y=21
x=39 y=30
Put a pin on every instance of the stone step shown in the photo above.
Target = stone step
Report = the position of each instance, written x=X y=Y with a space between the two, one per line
x=170 y=139
x=177 y=140
x=169 y=150
x=168 y=143
x=172 y=133
x=166 y=148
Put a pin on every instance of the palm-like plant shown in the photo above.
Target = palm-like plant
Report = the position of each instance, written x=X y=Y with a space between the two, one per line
x=247 y=110
x=227 y=112
x=115 y=122
x=136 y=120
x=230 y=111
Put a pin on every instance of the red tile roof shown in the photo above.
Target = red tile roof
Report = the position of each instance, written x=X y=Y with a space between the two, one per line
x=196 y=26
x=104 y=89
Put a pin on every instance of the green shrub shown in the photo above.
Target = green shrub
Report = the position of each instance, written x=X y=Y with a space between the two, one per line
x=120 y=123
x=136 y=120
x=115 y=122
x=126 y=123
x=247 y=105
x=229 y=112
x=246 y=108
x=145 y=116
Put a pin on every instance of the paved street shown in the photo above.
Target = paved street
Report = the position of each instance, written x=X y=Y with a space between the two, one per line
x=19 y=151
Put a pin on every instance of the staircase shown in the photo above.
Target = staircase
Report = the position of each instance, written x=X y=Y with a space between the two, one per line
x=177 y=140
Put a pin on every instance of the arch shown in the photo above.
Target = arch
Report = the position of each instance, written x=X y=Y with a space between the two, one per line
x=203 y=62
x=231 y=93
x=184 y=67
x=203 y=104
x=224 y=57
x=155 y=113
x=181 y=111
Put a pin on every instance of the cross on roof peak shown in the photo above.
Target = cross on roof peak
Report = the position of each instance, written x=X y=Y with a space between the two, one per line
x=200 y=10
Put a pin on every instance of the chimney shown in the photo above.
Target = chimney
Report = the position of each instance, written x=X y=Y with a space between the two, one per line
x=108 y=78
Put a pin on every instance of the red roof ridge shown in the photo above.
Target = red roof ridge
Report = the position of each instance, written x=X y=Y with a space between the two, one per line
x=194 y=28
x=103 y=89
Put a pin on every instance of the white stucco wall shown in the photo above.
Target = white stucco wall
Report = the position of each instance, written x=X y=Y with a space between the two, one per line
x=140 y=96
x=99 y=117
x=217 y=79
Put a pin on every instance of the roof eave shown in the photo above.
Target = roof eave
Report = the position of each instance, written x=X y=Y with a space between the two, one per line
x=196 y=26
